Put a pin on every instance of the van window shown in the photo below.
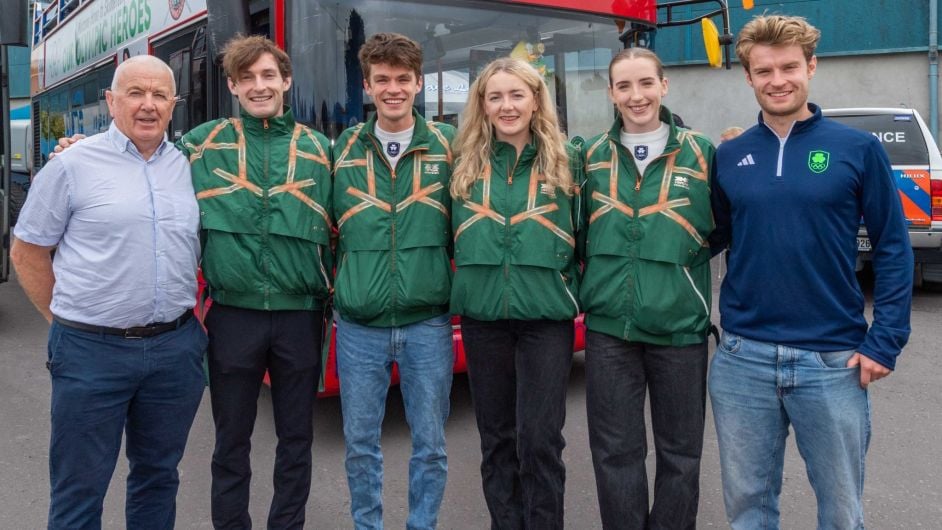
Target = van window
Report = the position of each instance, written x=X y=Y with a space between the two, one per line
x=899 y=134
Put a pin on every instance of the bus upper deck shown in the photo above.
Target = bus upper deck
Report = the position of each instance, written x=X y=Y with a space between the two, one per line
x=78 y=43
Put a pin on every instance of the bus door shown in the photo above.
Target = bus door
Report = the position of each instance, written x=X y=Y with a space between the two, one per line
x=186 y=53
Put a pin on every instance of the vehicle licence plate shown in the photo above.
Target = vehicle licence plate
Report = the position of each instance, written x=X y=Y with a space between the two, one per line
x=863 y=244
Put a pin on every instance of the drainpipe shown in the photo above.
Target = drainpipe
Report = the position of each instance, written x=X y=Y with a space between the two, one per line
x=934 y=69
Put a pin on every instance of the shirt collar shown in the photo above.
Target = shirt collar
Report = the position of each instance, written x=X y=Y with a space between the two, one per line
x=124 y=144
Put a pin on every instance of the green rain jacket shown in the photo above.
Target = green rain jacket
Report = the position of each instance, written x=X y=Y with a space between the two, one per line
x=647 y=270
x=263 y=187
x=393 y=256
x=515 y=242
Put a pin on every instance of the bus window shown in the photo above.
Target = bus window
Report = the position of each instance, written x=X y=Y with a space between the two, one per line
x=570 y=49
x=179 y=121
x=198 y=82
x=177 y=52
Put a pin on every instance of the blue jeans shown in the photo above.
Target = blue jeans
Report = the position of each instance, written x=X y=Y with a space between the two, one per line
x=102 y=384
x=519 y=374
x=619 y=374
x=424 y=354
x=757 y=390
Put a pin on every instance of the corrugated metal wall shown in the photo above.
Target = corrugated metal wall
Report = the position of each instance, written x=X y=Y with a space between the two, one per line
x=18 y=58
x=848 y=27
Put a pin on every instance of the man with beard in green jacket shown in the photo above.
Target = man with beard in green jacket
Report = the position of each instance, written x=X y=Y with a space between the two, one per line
x=393 y=281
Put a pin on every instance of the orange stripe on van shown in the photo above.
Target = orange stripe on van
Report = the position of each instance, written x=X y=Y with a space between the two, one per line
x=912 y=212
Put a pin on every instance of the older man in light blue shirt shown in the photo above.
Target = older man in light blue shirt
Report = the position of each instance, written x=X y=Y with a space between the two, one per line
x=126 y=231
x=125 y=353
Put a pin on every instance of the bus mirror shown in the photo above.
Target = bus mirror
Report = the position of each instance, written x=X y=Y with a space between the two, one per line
x=711 y=42
x=748 y=4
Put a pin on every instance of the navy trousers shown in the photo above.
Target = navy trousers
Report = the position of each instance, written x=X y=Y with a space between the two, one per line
x=102 y=385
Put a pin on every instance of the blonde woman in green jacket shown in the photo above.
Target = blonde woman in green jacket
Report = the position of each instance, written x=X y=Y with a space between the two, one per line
x=646 y=294
x=515 y=287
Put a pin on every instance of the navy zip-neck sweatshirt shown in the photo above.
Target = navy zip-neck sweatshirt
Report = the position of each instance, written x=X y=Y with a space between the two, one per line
x=789 y=209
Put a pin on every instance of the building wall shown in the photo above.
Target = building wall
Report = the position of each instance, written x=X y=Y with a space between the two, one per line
x=18 y=58
x=710 y=100
x=871 y=53
x=847 y=26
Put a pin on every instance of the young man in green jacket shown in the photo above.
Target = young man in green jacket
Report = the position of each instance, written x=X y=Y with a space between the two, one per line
x=393 y=281
x=263 y=186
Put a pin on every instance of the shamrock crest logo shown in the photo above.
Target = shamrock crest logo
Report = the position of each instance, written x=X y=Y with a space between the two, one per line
x=818 y=161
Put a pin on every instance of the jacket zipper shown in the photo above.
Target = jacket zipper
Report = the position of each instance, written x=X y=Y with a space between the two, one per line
x=266 y=205
x=637 y=211
x=507 y=236
x=706 y=308
x=781 y=148
x=392 y=203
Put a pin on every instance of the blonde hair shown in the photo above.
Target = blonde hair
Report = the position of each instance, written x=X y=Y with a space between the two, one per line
x=475 y=138
x=776 y=30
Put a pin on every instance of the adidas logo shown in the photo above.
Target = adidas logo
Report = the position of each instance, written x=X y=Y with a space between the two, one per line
x=748 y=161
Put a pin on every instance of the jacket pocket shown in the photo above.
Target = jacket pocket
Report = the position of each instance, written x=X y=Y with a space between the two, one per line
x=362 y=289
x=672 y=298
x=603 y=284
x=424 y=277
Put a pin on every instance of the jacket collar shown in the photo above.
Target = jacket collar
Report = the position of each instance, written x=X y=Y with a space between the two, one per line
x=502 y=149
x=419 y=132
x=665 y=115
x=278 y=124
x=800 y=125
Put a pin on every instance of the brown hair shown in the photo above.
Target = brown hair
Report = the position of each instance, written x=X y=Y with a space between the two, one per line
x=241 y=52
x=636 y=53
x=776 y=30
x=393 y=49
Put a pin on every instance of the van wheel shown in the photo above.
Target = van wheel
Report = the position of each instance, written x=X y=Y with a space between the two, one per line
x=17 y=199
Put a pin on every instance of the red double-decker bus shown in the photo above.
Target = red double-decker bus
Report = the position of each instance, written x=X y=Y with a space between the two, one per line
x=77 y=44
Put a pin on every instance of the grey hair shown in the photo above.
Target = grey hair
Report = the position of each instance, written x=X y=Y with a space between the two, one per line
x=149 y=60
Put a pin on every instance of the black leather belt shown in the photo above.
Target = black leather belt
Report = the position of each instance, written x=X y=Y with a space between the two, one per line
x=139 y=332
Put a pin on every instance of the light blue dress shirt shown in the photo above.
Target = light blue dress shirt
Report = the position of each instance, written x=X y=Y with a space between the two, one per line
x=127 y=231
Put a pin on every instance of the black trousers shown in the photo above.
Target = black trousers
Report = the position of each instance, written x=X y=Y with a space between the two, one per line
x=519 y=373
x=243 y=344
x=619 y=374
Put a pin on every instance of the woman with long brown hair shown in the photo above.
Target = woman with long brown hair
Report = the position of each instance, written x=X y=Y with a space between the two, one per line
x=646 y=292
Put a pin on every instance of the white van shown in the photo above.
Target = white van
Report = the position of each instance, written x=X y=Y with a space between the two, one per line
x=917 y=168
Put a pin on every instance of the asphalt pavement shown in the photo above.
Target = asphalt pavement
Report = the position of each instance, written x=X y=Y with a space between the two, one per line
x=904 y=466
